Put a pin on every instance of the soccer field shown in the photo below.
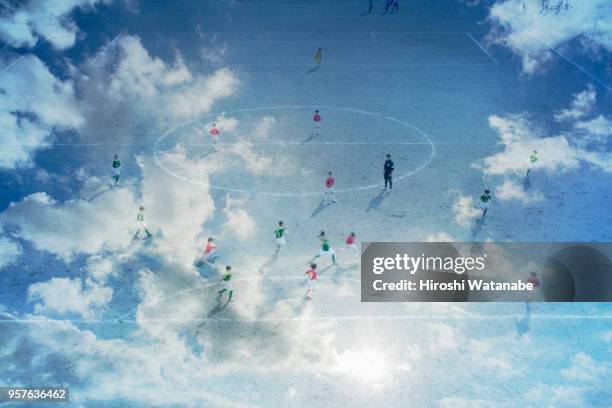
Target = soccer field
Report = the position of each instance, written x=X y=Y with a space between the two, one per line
x=127 y=321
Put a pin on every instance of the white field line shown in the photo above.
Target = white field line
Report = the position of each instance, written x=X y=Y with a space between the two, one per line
x=270 y=108
x=104 y=49
x=465 y=316
x=482 y=48
x=27 y=53
x=575 y=64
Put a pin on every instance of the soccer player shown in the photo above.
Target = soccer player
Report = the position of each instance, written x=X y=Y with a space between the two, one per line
x=329 y=188
x=350 y=242
x=116 y=170
x=227 y=284
x=318 y=56
x=388 y=172
x=316 y=123
x=279 y=233
x=485 y=199
x=532 y=161
x=142 y=223
x=326 y=249
x=214 y=133
x=210 y=250
x=312 y=280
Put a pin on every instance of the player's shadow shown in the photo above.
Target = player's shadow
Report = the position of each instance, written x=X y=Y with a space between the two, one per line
x=313 y=69
x=527 y=183
x=320 y=208
x=311 y=137
x=477 y=226
x=99 y=193
x=208 y=153
x=270 y=261
x=522 y=325
x=221 y=305
x=376 y=201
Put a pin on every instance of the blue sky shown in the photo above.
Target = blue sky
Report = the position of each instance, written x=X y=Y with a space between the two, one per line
x=459 y=92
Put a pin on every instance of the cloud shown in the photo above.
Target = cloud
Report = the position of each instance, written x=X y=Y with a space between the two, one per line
x=582 y=105
x=140 y=75
x=509 y=190
x=65 y=296
x=519 y=138
x=173 y=90
x=458 y=402
x=33 y=103
x=584 y=369
x=530 y=33
x=23 y=24
x=440 y=237
x=239 y=223
x=598 y=130
x=75 y=226
x=262 y=129
x=465 y=210
x=175 y=208
x=9 y=251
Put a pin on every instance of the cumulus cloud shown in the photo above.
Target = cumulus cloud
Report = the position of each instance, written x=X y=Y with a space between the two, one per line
x=74 y=226
x=509 y=190
x=584 y=369
x=172 y=88
x=239 y=222
x=263 y=127
x=23 y=24
x=176 y=208
x=33 y=103
x=67 y=296
x=581 y=106
x=9 y=251
x=530 y=32
x=598 y=129
x=519 y=138
x=465 y=210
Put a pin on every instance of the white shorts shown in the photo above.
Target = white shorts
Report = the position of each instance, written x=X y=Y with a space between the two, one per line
x=352 y=247
x=316 y=125
x=484 y=206
x=312 y=284
x=280 y=241
x=116 y=171
x=143 y=225
x=214 y=139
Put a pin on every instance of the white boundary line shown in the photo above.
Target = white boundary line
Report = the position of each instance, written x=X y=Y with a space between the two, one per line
x=27 y=53
x=104 y=49
x=482 y=48
x=214 y=38
x=316 y=319
x=568 y=59
x=312 y=107
x=464 y=316
x=305 y=64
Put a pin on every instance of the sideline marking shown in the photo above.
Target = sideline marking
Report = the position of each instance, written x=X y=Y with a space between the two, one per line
x=46 y=39
x=465 y=316
x=482 y=48
x=94 y=61
x=158 y=162
x=568 y=59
